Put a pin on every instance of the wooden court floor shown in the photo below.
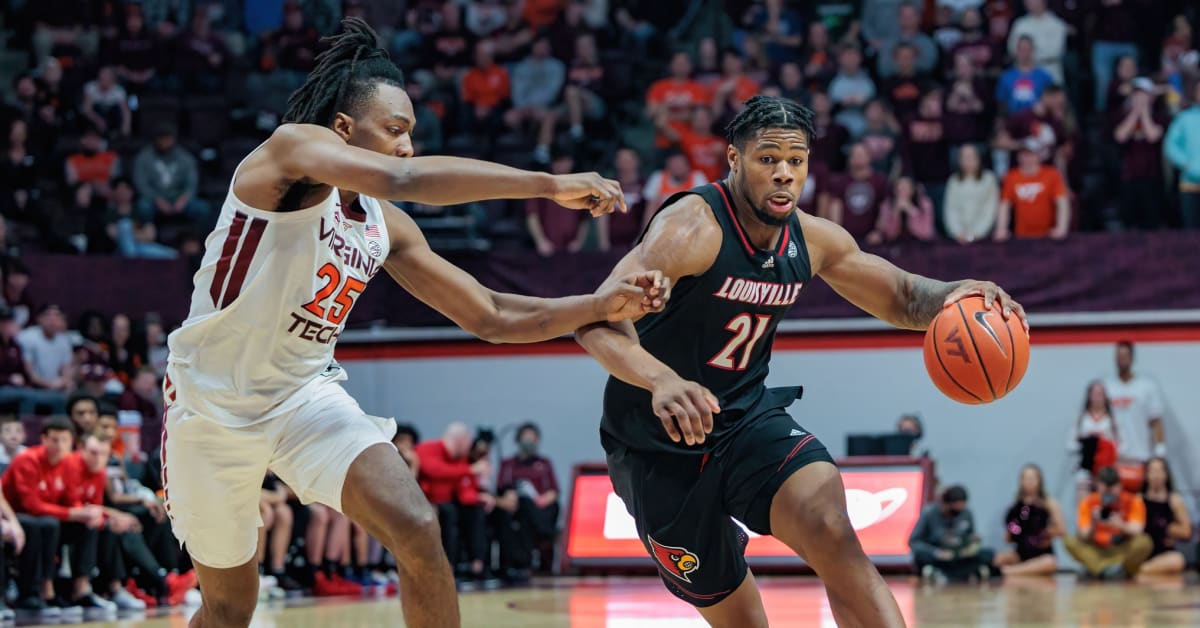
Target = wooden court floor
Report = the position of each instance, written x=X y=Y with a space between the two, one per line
x=790 y=601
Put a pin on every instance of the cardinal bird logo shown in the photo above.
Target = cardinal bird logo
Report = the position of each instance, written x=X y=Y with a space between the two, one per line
x=676 y=561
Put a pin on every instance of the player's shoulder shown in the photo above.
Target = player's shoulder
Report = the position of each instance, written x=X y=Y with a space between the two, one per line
x=825 y=240
x=689 y=215
x=684 y=238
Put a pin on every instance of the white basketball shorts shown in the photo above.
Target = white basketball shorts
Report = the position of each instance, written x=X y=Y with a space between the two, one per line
x=212 y=473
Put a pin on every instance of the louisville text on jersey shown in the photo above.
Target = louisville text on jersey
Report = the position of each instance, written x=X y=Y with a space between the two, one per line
x=762 y=293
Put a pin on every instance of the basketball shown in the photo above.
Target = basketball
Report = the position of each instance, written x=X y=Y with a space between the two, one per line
x=973 y=355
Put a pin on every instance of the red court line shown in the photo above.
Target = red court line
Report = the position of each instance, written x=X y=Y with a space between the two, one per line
x=784 y=342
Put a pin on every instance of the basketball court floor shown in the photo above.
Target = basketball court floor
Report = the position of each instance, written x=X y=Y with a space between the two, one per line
x=791 y=601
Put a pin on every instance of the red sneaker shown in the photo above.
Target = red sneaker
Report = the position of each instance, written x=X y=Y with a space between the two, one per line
x=348 y=588
x=323 y=586
x=133 y=589
x=178 y=584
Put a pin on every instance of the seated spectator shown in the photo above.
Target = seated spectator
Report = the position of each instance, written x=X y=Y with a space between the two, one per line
x=946 y=31
x=906 y=215
x=975 y=45
x=15 y=380
x=83 y=411
x=923 y=146
x=944 y=543
x=850 y=90
x=1120 y=88
x=133 y=53
x=904 y=88
x=533 y=523
x=275 y=534
x=969 y=114
x=622 y=230
x=972 y=199
x=327 y=542
x=449 y=484
x=554 y=231
x=1140 y=136
x=708 y=64
x=705 y=151
x=909 y=34
x=1048 y=33
x=1116 y=31
x=1044 y=124
x=126 y=230
x=880 y=136
x=405 y=441
x=1167 y=521
x=1111 y=541
x=676 y=176
x=106 y=105
x=1021 y=85
x=201 y=56
x=426 y=132
x=674 y=98
x=1182 y=148
x=126 y=350
x=1037 y=195
x=13 y=535
x=829 y=137
x=911 y=425
x=12 y=439
x=40 y=486
x=1031 y=523
x=537 y=83
x=730 y=93
x=93 y=163
x=856 y=197
x=586 y=82
x=166 y=177
x=59 y=24
x=485 y=92
x=20 y=169
x=818 y=58
x=16 y=291
x=141 y=404
x=49 y=357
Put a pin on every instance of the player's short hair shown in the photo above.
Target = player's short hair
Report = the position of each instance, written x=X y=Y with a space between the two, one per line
x=345 y=76
x=58 y=424
x=769 y=112
x=528 y=426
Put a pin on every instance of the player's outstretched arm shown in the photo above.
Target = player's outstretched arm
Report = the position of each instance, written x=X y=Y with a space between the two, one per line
x=900 y=298
x=500 y=317
x=682 y=241
x=316 y=154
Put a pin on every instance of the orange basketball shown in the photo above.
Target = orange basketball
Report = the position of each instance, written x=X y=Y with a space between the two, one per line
x=973 y=355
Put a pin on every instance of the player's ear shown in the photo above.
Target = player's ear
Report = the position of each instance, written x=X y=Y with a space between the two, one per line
x=732 y=155
x=343 y=125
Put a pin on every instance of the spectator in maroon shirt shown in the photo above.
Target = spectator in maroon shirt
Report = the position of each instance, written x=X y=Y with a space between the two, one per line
x=142 y=403
x=529 y=499
x=1045 y=122
x=828 y=136
x=134 y=52
x=925 y=151
x=1120 y=88
x=820 y=65
x=976 y=45
x=622 y=230
x=552 y=229
x=904 y=89
x=968 y=105
x=201 y=57
x=1117 y=24
x=1140 y=136
x=880 y=137
x=855 y=198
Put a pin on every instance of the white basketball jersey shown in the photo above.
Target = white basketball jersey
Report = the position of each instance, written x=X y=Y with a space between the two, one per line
x=269 y=301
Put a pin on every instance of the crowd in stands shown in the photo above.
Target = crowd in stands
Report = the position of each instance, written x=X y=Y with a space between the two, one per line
x=935 y=119
x=1130 y=520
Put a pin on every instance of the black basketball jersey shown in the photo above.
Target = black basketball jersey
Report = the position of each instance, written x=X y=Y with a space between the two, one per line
x=717 y=330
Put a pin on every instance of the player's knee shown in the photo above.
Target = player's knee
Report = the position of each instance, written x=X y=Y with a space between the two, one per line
x=415 y=531
x=229 y=612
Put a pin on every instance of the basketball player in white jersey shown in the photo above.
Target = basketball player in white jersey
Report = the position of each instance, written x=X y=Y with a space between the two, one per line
x=251 y=383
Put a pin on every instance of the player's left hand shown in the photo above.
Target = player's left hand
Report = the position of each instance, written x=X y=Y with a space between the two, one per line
x=991 y=293
x=634 y=295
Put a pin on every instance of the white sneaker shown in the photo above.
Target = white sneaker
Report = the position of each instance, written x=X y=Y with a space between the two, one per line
x=125 y=601
x=267 y=581
x=192 y=598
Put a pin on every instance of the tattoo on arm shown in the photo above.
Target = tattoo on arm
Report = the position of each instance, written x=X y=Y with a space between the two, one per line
x=924 y=298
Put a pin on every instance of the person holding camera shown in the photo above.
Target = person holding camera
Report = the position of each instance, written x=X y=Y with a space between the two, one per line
x=1111 y=542
x=526 y=515
x=945 y=544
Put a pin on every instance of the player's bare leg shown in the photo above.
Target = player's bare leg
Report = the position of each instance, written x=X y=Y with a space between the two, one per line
x=229 y=596
x=381 y=495
x=742 y=609
x=808 y=513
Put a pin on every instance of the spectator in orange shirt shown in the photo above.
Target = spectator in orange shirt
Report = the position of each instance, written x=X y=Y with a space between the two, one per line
x=674 y=98
x=676 y=176
x=1038 y=196
x=1111 y=542
x=93 y=163
x=485 y=91
x=539 y=13
x=705 y=151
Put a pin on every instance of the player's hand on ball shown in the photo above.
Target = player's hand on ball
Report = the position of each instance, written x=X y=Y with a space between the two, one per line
x=589 y=191
x=991 y=293
x=685 y=409
x=634 y=295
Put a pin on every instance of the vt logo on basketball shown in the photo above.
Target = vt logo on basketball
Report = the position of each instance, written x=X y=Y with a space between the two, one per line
x=958 y=350
x=676 y=561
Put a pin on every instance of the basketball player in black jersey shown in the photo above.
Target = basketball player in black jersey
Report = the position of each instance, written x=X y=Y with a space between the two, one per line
x=693 y=435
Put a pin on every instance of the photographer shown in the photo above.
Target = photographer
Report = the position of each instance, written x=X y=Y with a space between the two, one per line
x=527 y=506
x=1111 y=543
x=944 y=543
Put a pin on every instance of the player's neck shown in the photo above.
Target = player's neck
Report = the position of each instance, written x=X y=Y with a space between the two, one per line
x=762 y=235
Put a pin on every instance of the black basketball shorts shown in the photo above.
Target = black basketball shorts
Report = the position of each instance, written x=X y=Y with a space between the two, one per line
x=682 y=503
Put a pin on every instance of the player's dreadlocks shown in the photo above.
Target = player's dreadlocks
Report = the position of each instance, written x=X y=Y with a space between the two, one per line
x=769 y=112
x=345 y=76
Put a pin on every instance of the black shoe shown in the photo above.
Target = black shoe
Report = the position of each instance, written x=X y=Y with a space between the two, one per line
x=287 y=583
x=516 y=577
x=35 y=606
x=92 y=602
x=65 y=608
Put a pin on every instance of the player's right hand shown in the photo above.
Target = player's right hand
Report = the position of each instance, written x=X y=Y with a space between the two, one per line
x=590 y=191
x=685 y=409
